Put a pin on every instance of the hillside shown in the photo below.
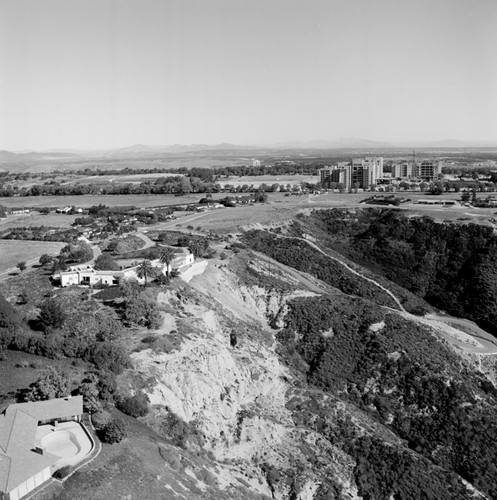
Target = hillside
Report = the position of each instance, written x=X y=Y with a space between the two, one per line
x=287 y=370
x=445 y=264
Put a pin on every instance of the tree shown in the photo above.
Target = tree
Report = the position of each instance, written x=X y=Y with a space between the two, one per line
x=9 y=323
x=198 y=246
x=143 y=310
x=145 y=270
x=51 y=384
x=79 y=252
x=115 y=431
x=52 y=314
x=89 y=390
x=163 y=280
x=21 y=266
x=104 y=262
x=108 y=356
x=108 y=328
x=166 y=256
x=59 y=264
x=46 y=259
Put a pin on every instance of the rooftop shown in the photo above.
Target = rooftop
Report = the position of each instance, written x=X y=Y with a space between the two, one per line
x=18 y=424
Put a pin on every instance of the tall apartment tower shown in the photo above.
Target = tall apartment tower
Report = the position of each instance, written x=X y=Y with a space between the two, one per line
x=404 y=170
x=360 y=172
x=339 y=174
x=428 y=170
x=366 y=171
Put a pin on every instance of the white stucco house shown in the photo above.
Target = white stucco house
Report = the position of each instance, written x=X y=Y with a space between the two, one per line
x=87 y=275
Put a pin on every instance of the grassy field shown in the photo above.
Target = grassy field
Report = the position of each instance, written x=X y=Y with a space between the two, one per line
x=109 y=179
x=14 y=251
x=19 y=369
x=257 y=180
x=86 y=201
x=35 y=219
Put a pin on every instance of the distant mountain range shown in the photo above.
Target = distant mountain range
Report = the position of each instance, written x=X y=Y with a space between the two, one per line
x=142 y=150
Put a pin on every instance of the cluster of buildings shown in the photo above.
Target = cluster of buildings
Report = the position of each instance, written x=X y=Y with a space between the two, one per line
x=367 y=172
x=86 y=274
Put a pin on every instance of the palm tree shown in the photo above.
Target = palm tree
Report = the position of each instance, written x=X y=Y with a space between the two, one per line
x=197 y=247
x=166 y=256
x=145 y=270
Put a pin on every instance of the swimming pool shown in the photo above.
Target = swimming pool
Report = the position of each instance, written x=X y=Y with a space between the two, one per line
x=61 y=443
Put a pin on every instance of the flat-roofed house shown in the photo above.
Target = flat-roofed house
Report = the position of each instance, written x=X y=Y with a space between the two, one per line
x=24 y=464
x=87 y=275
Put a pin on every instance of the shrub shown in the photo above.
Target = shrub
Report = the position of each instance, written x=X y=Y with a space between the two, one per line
x=135 y=406
x=52 y=314
x=51 y=384
x=179 y=431
x=143 y=310
x=63 y=472
x=114 y=431
x=109 y=293
x=108 y=356
x=100 y=419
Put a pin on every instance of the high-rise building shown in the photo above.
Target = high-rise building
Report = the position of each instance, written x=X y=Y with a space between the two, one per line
x=404 y=170
x=336 y=174
x=365 y=172
x=360 y=172
x=428 y=170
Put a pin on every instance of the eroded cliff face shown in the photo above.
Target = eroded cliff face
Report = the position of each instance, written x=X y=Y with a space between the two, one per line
x=237 y=396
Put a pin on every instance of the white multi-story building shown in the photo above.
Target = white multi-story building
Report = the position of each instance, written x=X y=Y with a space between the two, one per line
x=360 y=172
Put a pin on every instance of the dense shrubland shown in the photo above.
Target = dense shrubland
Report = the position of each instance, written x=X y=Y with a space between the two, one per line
x=299 y=255
x=446 y=264
x=403 y=377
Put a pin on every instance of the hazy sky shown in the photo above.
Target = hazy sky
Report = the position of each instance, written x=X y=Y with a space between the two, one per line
x=111 y=73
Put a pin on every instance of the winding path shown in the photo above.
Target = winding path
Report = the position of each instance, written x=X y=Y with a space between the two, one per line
x=353 y=271
x=477 y=342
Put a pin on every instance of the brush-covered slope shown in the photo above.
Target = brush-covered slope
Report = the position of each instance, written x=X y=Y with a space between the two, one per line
x=326 y=394
x=446 y=264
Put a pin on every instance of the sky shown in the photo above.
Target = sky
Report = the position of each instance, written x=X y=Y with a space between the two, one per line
x=96 y=74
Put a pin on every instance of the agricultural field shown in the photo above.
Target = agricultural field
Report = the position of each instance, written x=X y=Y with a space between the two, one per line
x=86 y=201
x=14 y=251
x=110 y=179
x=36 y=219
x=257 y=180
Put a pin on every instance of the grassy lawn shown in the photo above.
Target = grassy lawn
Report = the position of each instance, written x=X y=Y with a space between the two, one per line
x=19 y=369
x=14 y=251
